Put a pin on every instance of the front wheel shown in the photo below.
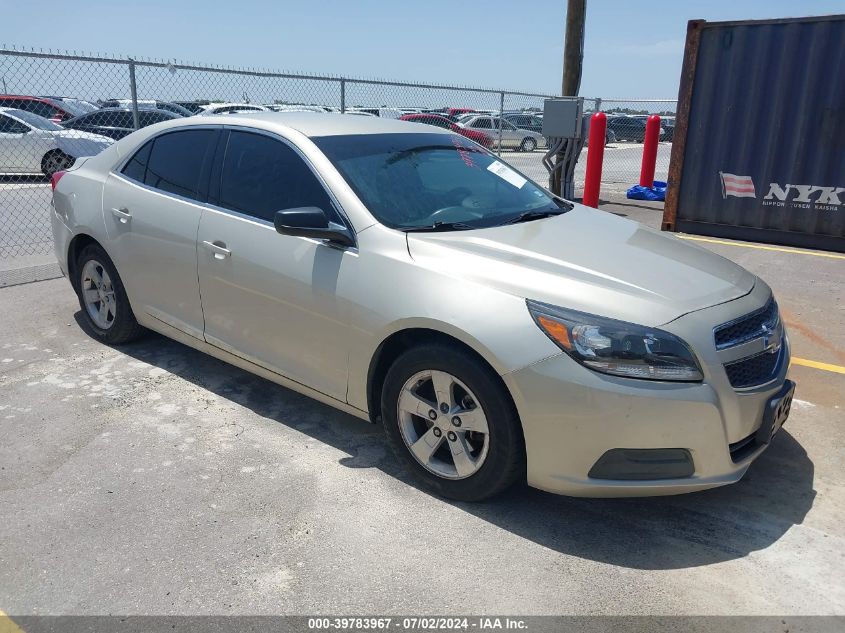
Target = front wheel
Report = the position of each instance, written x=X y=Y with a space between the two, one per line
x=528 y=145
x=450 y=421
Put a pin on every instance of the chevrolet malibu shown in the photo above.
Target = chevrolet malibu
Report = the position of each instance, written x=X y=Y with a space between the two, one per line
x=405 y=275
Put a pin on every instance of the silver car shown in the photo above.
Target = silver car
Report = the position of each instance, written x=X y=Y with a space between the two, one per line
x=405 y=275
x=512 y=137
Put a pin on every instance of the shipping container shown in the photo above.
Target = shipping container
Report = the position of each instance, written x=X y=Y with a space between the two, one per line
x=759 y=144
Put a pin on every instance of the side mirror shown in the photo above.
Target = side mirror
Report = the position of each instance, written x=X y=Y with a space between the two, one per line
x=312 y=222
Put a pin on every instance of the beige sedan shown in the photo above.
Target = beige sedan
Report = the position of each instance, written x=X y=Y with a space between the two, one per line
x=498 y=129
x=407 y=276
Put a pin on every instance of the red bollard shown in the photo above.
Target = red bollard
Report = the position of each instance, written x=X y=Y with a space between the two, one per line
x=595 y=156
x=652 y=136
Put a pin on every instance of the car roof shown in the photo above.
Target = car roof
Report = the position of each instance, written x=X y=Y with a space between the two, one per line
x=167 y=113
x=28 y=97
x=311 y=124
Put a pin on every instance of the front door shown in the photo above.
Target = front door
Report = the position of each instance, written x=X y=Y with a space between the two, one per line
x=267 y=297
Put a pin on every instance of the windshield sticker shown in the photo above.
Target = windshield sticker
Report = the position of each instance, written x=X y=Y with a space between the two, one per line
x=506 y=173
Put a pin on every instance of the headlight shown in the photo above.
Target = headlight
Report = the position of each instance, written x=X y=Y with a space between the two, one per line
x=616 y=347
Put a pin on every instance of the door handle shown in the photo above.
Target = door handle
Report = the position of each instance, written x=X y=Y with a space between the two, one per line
x=218 y=248
x=122 y=215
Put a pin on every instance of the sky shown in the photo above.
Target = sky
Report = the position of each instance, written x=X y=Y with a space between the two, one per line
x=633 y=48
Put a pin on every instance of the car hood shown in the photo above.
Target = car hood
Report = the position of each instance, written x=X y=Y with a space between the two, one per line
x=591 y=261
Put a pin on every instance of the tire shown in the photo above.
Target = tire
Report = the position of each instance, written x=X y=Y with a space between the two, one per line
x=528 y=145
x=119 y=326
x=55 y=160
x=493 y=460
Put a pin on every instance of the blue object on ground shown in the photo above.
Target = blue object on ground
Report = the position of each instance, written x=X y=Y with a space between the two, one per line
x=655 y=194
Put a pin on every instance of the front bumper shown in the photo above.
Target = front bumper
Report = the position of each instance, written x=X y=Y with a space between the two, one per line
x=572 y=416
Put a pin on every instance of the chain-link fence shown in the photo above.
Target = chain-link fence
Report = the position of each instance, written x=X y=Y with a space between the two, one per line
x=626 y=120
x=57 y=107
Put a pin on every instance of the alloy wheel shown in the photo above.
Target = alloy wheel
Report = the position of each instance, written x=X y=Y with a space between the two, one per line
x=443 y=425
x=98 y=294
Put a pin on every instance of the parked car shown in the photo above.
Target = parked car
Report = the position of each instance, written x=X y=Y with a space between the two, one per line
x=385 y=113
x=31 y=144
x=629 y=128
x=459 y=111
x=609 y=135
x=53 y=109
x=228 y=108
x=78 y=105
x=524 y=121
x=412 y=279
x=512 y=137
x=148 y=104
x=668 y=126
x=117 y=122
x=278 y=107
x=444 y=123
x=194 y=107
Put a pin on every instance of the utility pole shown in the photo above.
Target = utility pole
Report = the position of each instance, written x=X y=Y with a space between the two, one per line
x=573 y=48
x=573 y=55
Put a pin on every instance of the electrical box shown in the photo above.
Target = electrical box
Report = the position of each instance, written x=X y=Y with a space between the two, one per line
x=562 y=117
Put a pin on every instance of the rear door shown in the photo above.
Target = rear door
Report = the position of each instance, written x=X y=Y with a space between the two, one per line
x=152 y=209
x=267 y=297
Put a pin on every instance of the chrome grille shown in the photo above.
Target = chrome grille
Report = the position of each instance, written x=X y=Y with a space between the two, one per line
x=748 y=327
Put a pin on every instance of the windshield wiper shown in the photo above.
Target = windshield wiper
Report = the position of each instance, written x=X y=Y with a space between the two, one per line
x=440 y=226
x=535 y=215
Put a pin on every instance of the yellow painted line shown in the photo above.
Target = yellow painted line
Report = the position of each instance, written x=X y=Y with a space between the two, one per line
x=762 y=247
x=838 y=369
x=7 y=625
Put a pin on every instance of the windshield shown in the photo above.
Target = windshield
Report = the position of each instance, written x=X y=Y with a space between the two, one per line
x=38 y=122
x=418 y=180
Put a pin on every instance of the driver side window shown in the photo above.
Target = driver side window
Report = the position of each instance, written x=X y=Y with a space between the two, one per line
x=9 y=126
x=262 y=175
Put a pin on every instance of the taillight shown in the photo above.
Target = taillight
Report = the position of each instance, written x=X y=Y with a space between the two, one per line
x=55 y=178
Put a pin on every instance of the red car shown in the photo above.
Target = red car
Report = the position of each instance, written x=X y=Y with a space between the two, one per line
x=440 y=121
x=53 y=109
x=458 y=111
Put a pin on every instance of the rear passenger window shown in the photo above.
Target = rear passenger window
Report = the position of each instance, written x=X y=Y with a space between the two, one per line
x=262 y=175
x=136 y=168
x=177 y=160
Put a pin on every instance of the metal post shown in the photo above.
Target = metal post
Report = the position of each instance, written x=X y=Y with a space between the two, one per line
x=597 y=102
x=133 y=90
x=501 y=120
x=652 y=136
x=342 y=96
x=595 y=156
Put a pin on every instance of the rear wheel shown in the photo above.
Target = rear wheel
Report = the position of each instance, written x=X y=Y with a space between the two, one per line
x=448 y=418
x=55 y=160
x=102 y=297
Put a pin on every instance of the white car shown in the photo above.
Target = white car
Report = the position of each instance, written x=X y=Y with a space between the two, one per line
x=227 y=108
x=384 y=113
x=31 y=144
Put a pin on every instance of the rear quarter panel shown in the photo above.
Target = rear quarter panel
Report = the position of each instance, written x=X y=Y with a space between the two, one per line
x=78 y=203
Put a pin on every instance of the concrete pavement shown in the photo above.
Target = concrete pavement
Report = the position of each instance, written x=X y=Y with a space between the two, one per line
x=152 y=479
